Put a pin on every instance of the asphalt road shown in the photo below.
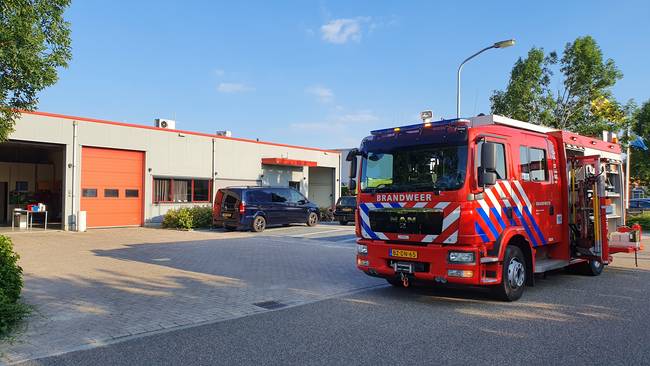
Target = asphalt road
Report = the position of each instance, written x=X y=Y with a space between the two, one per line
x=564 y=319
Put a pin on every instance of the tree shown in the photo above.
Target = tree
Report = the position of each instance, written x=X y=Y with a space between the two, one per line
x=640 y=160
x=34 y=42
x=586 y=79
x=584 y=104
x=528 y=96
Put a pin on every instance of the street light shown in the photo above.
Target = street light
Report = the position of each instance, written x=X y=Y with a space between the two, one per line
x=501 y=44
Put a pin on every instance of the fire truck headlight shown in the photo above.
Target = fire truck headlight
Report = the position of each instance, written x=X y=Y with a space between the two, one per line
x=362 y=249
x=461 y=257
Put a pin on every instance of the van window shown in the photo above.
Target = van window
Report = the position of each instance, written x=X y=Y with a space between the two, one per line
x=296 y=196
x=501 y=160
x=258 y=196
x=280 y=196
x=533 y=164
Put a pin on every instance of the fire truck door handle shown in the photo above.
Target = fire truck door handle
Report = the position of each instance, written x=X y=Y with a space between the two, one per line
x=551 y=210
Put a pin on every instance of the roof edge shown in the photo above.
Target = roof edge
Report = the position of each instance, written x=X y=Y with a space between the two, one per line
x=134 y=125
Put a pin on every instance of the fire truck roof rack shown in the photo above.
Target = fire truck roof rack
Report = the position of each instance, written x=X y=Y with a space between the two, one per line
x=495 y=119
x=419 y=126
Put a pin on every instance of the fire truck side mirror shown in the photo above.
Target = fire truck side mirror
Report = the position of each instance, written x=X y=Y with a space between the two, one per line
x=352 y=158
x=487 y=171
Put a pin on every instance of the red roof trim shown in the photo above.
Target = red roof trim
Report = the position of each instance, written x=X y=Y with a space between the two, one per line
x=291 y=162
x=123 y=124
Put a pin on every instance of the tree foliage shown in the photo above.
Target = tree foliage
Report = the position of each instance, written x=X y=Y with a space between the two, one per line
x=34 y=42
x=528 y=96
x=584 y=103
x=640 y=160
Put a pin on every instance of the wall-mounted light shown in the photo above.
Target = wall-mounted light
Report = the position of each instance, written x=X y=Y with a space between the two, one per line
x=149 y=170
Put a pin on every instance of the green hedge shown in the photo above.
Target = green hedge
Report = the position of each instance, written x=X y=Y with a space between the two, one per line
x=641 y=219
x=12 y=311
x=187 y=218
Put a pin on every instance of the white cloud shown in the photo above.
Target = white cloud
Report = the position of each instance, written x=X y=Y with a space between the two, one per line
x=234 y=88
x=323 y=94
x=342 y=30
x=357 y=117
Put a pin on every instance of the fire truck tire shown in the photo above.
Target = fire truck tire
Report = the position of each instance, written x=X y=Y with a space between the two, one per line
x=592 y=268
x=312 y=219
x=514 y=275
x=259 y=224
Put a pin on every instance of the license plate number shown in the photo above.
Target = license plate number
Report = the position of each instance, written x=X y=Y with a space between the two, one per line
x=226 y=215
x=403 y=253
x=347 y=209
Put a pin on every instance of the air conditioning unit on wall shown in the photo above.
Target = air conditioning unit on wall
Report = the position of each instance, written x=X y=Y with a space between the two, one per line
x=165 y=123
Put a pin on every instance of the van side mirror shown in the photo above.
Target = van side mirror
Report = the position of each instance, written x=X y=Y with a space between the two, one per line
x=352 y=185
x=487 y=174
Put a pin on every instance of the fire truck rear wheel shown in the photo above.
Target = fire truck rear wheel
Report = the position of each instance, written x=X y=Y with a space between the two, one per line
x=592 y=268
x=514 y=275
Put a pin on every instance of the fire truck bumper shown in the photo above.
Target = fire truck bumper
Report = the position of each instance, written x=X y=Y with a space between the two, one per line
x=461 y=264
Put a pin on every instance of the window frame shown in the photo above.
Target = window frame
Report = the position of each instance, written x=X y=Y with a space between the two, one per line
x=83 y=192
x=117 y=191
x=171 y=190
x=547 y=176
x=131 y=189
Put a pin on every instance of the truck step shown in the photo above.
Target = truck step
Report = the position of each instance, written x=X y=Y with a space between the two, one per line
x=545 y=265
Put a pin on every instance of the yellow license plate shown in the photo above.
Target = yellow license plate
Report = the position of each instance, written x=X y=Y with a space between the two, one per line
x=403 y=253
x=347 y=209
x=226 y=215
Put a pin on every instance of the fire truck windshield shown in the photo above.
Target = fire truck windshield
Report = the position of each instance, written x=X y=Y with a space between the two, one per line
x=419 y=169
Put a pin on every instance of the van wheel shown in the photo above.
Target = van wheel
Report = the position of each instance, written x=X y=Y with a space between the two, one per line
x=259 y=224
x=312 y=219
x=513 y=277
x=343 y=222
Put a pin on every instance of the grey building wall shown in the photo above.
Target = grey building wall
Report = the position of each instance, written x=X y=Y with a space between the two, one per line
x=168 y=153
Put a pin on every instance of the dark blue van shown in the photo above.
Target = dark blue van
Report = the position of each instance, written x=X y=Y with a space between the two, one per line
x=255 y=208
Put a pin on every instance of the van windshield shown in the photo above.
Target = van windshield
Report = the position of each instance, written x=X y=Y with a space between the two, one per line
x=418 y=169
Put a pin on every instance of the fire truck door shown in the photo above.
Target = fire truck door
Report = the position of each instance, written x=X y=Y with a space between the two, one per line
x=539 y=188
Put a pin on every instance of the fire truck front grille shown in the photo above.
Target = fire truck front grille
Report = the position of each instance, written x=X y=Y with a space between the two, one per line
x=401 y=221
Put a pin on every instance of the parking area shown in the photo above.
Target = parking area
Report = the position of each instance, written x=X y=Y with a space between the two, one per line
x=103 y=286
x=95 y=287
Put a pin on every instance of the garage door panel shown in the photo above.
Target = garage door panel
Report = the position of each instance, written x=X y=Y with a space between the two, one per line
x=113 y=169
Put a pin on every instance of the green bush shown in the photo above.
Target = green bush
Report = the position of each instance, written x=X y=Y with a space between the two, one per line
x=11 y=284
x=326 y=214
x=187 y=218
x=641 y=219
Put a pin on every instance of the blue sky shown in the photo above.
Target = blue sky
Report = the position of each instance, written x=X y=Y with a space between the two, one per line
x=319 y=73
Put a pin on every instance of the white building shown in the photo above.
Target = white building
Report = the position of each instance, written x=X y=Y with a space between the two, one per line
x=126 y=174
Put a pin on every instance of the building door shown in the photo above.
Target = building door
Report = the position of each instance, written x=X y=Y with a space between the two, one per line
x=112 y=187
x=3 y=201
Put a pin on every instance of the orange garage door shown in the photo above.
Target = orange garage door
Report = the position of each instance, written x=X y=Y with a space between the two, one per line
x=112 y=186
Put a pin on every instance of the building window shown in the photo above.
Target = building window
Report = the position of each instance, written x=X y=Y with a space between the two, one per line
x=533 y=164
x=22 y=186
x=132 y=193
x=201 y=190
x=181 y=190
x=89 y=192
x=111 y=193
x=294 y=185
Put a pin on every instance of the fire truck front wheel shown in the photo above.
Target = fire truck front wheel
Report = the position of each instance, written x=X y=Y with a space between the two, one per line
x=514 y=275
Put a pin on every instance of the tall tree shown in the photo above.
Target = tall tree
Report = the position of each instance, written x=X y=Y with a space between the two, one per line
x=587 y=77
x=34 y=42
x=528 y=96
x=640 y=161
x=584 y=104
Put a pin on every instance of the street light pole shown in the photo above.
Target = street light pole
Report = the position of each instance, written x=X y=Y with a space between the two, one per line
x=501 y=44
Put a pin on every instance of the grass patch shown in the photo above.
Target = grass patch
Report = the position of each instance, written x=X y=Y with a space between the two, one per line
x=641 y=219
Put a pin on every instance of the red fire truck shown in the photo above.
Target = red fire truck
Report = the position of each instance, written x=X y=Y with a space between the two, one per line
x=487 y=201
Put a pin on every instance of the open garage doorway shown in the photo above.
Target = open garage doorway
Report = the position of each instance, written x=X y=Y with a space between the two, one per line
x=321 y=186
x=32 y=173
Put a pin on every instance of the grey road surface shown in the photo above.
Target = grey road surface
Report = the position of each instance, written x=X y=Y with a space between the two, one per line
x=564 y=319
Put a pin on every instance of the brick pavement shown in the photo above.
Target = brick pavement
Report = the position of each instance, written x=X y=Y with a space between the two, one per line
x=92 y=288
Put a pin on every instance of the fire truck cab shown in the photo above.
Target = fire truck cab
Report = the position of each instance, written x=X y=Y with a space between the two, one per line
x=486 y=201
